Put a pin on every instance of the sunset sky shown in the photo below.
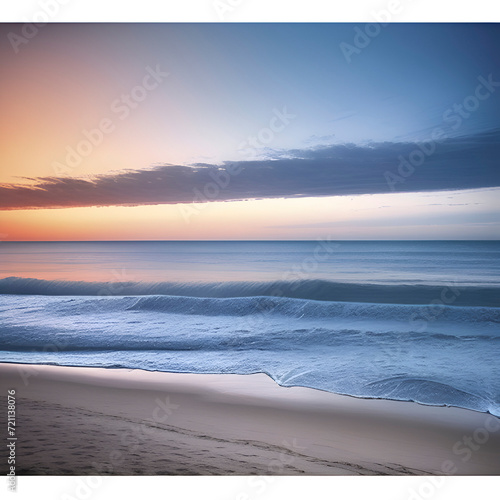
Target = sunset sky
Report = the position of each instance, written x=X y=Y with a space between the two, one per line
x=250 y=131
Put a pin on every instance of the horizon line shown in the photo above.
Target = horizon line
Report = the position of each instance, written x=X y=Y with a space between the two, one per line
x=238 y=240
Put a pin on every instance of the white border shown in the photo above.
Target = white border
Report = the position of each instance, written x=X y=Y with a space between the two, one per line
x=256 y=488
x=250 y=10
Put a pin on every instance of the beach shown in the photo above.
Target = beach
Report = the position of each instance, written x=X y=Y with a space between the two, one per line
x=344 y=322
x=75 y=420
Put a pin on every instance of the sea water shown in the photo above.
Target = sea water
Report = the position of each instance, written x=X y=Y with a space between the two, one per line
x=403 y=320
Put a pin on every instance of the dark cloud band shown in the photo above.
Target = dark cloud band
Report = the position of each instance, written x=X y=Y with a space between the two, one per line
x=458 y=163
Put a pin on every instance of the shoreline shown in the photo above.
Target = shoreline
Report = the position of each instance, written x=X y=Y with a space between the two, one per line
x=84 y=420
x=364 y=398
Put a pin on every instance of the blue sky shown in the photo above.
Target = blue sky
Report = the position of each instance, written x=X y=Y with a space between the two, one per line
x=414 y=109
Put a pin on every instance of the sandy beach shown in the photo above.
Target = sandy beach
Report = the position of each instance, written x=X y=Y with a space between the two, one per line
x=126 y=422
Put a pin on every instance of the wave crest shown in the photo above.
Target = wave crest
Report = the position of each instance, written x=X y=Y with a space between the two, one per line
x=314 y=289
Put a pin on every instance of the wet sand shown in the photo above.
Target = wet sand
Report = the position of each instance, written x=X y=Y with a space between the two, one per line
x=131 y=422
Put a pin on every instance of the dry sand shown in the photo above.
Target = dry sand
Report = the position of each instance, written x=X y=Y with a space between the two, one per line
x=115 y=421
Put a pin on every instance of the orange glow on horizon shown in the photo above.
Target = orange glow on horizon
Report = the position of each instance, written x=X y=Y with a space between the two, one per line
x=368 y=216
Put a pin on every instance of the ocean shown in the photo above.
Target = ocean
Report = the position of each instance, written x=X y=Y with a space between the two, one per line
x=402 y=320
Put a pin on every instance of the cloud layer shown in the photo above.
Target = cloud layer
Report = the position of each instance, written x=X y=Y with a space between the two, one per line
x=458 y=163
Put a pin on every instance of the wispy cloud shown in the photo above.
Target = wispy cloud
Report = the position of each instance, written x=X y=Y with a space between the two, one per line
x=349 y=169
x=344 y=116
x=408 y=219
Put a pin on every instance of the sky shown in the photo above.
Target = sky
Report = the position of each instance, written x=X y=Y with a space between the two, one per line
x=250 y=131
